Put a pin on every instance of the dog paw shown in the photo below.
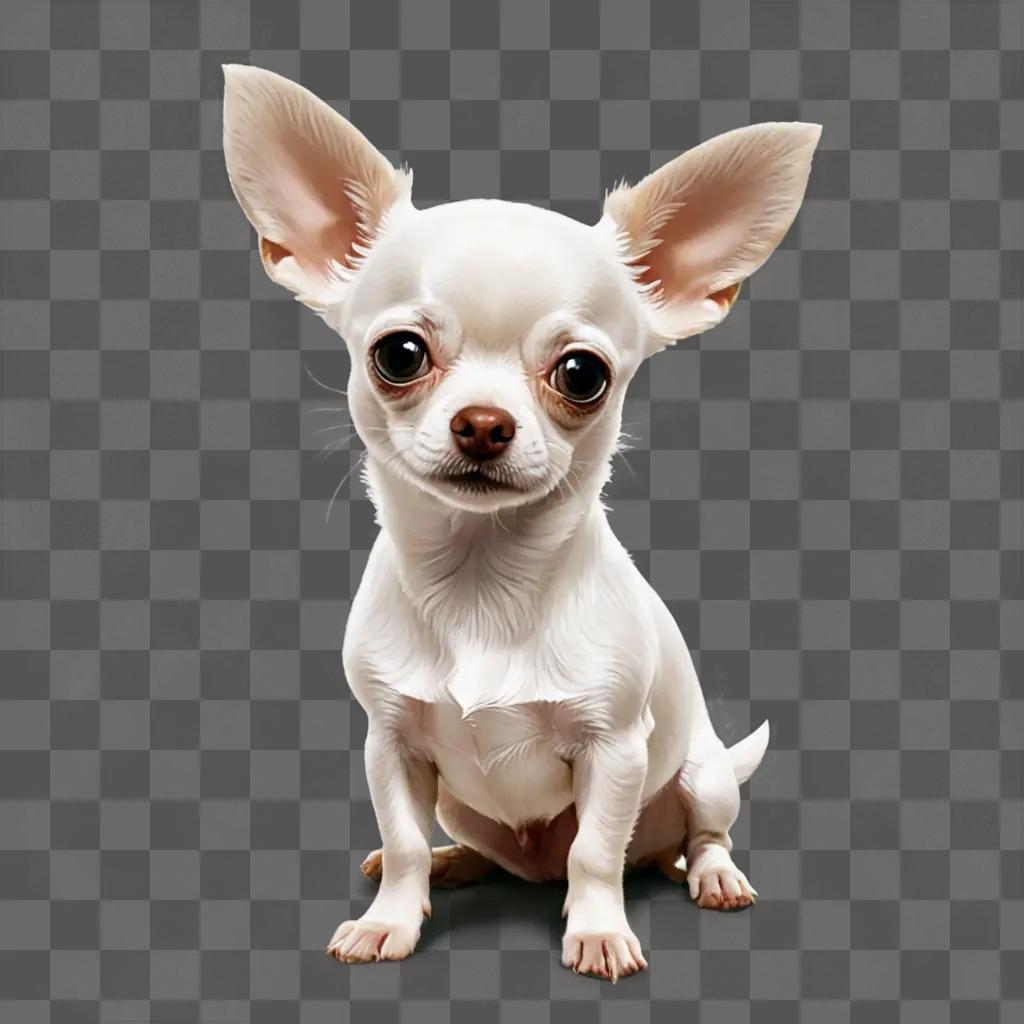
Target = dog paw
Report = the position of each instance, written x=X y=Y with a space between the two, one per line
x=721 y=887
x=362 y=941
x=610 y=955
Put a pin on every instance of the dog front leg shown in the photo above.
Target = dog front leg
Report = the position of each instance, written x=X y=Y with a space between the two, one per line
x=608 y=779
x=403 y=791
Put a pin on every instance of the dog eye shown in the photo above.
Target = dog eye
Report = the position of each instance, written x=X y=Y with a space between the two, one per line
x=401 y=357
x=581 y=377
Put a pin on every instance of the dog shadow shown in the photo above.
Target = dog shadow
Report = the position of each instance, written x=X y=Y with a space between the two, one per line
x=505 y=912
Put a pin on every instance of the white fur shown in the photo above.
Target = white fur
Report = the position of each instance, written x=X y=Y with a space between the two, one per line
x=511 y=659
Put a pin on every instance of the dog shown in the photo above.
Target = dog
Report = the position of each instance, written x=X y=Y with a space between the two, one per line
x=522 y=681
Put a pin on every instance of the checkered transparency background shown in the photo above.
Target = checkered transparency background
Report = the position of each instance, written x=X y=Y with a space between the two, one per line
x=826 y=490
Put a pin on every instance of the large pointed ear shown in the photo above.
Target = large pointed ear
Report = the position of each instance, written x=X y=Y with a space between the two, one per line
x=694 y=229
x=311 y=184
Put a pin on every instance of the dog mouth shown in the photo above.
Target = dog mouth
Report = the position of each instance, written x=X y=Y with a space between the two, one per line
x=476 y=481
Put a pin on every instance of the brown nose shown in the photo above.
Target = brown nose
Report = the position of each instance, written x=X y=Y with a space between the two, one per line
x=483 y=432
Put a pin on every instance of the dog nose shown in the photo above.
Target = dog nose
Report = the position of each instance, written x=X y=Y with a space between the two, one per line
x=483 y=432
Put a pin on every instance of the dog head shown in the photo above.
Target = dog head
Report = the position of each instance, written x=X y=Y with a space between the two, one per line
x=491 y=343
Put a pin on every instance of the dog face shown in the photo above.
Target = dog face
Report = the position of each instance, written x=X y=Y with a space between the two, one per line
x=491 y=343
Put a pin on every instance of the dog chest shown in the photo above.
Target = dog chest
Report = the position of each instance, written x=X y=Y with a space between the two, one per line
x=508 y=763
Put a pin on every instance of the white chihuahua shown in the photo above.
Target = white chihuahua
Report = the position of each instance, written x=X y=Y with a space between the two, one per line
x=522 y=680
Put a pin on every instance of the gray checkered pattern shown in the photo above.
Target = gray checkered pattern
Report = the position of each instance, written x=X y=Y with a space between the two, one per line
x=827 y=490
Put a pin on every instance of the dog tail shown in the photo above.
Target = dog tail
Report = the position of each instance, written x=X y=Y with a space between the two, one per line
x=746 y=755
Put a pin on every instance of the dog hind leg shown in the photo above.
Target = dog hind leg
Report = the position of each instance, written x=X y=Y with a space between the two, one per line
x=711 y=796
x=450 y=866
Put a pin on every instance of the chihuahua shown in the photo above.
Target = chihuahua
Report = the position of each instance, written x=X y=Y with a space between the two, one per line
x=522 y=681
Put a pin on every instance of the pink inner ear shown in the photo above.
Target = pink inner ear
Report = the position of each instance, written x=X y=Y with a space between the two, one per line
x=700 y=241
x=317 y=221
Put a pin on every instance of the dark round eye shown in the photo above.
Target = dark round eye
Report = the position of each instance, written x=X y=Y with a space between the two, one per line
x=580 y=377
x=401 y=357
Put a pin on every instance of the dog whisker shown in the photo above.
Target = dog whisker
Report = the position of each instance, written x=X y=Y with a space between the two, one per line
x=333 y=426
x=359 y=461
x=327 y=387
x=335 y=445
x=341 y=483
x=618 y=452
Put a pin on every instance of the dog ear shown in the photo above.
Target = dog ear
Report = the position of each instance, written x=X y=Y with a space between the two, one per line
x=314 y=188
x=694 y=229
